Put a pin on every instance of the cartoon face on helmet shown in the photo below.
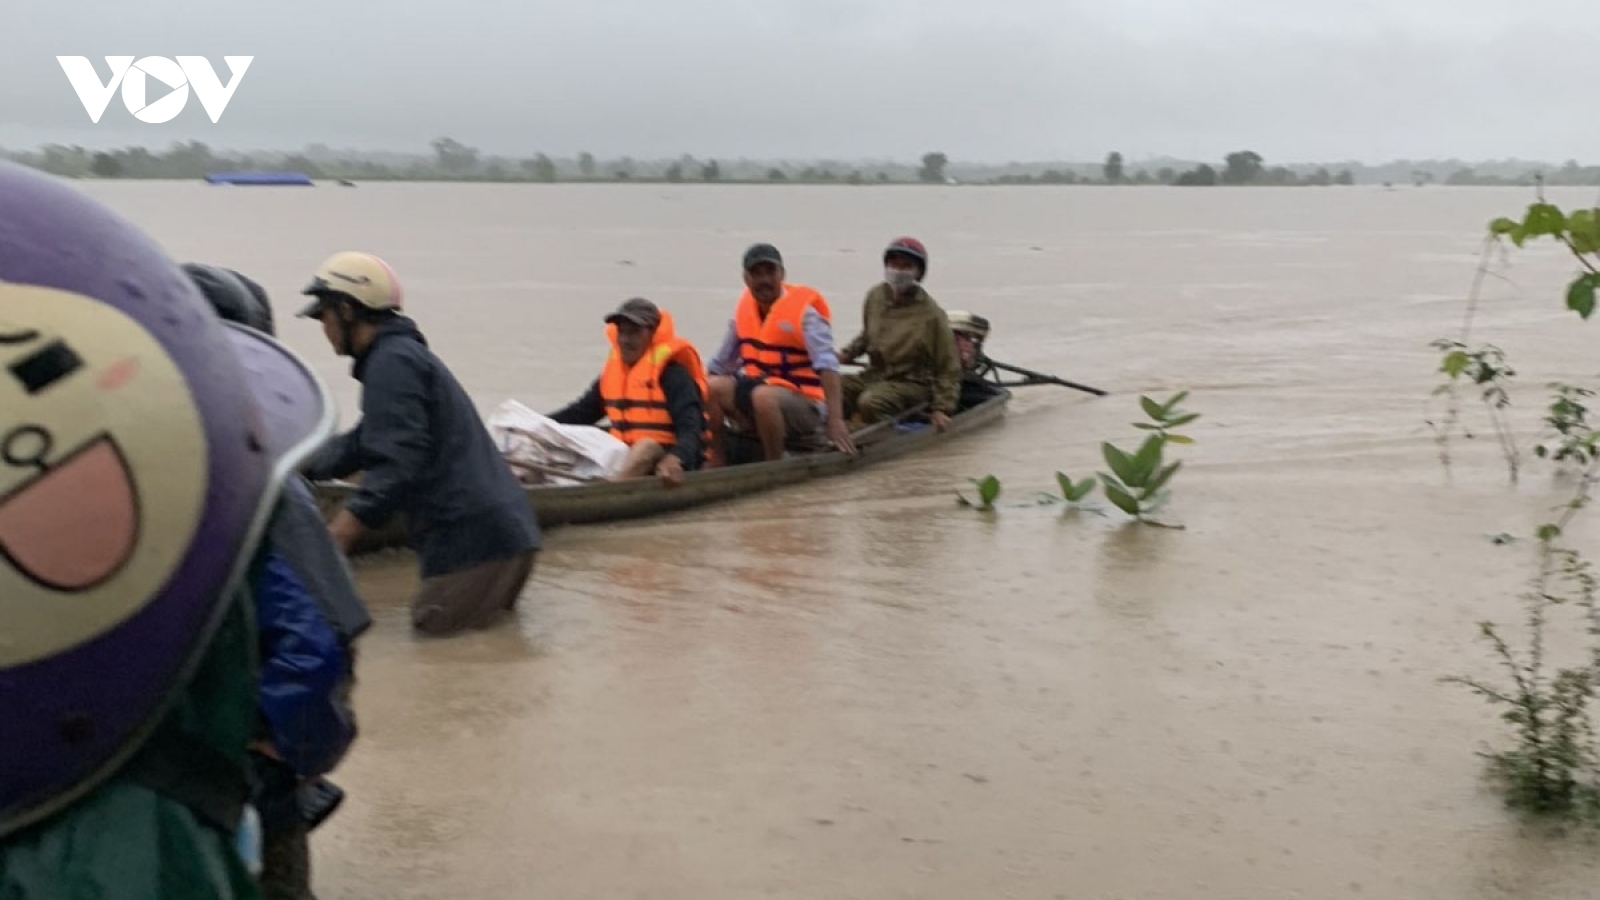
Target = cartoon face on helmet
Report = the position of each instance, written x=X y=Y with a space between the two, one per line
x=137 y=467
x=102 y=470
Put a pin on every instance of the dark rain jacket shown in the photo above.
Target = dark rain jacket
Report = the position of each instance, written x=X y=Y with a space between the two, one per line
x=424 y=452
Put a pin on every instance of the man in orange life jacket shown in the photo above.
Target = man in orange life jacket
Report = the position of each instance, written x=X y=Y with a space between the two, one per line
x=777 y=370
x=653 y=391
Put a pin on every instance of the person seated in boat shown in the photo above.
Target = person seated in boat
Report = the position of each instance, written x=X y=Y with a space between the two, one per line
x=907 y=339
x=970 y=331
x=652 y=390
x=777 y=372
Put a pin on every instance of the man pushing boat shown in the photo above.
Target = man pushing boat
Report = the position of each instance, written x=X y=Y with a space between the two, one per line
x=423 y=451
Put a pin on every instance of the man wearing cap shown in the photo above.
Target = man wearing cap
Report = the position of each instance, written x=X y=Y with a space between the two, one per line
x=423 y=451
x=910 y=349
x=652 y=390
x=777 y=370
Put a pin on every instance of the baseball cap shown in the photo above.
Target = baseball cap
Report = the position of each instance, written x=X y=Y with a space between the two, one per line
x=760 y=253
x=639 y=311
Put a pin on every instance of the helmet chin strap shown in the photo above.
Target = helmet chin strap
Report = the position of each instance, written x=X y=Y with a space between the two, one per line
x=346 y=338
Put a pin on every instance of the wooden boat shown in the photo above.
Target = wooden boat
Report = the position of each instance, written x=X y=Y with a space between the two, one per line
x=611 y=501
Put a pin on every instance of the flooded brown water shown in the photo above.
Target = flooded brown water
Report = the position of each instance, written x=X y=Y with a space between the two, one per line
x=858 y=688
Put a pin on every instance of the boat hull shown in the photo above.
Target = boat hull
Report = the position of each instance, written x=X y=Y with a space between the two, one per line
x=613 y=501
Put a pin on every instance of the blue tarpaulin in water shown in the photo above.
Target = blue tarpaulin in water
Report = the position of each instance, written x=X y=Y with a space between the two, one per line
x=259 y=178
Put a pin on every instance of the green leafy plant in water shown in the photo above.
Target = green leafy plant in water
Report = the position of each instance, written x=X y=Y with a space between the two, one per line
x=988 y=488
x=1137 y=480
x=1553 y=765
x=1485 y=368
x=1579 y=230
x=1074 y=492
x=1568 y=417
x=1457 y=354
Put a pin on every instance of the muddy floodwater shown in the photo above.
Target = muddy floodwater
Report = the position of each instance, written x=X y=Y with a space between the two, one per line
x=859 y=689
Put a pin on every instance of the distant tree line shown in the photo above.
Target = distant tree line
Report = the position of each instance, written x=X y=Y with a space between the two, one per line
x=452 y=160
x=1246 y=167
x=1569 y=174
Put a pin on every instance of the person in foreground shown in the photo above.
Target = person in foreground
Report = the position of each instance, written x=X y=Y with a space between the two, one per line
x=652 y=390
x=309 y=615
x=422 y=450
x=910 y=349
x=143 y=446
x=777 y=372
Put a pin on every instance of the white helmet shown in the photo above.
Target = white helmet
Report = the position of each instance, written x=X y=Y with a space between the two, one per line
x=364 y=279
x=969 y=324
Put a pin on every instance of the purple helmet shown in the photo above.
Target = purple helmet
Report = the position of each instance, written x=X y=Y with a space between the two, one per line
x=142 y=445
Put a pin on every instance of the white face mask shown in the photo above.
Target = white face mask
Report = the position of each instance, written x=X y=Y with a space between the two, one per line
x=899 y=278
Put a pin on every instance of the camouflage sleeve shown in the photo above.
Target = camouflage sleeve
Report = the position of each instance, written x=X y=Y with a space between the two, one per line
x=858 y=345
x=946 y=366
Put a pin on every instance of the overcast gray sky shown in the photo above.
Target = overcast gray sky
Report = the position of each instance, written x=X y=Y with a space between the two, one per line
x=990 y=80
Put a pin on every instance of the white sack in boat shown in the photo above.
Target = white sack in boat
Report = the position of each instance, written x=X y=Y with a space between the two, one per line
x=543 y=451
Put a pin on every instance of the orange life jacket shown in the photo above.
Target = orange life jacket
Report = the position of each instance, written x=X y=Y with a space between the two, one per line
x=776 y=347
x=632 y=396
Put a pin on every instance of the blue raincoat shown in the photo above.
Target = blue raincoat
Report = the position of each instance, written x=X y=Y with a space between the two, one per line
x=302 y=667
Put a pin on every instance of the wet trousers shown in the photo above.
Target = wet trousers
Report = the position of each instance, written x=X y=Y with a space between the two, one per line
x=475 y=597
x=877 y=399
